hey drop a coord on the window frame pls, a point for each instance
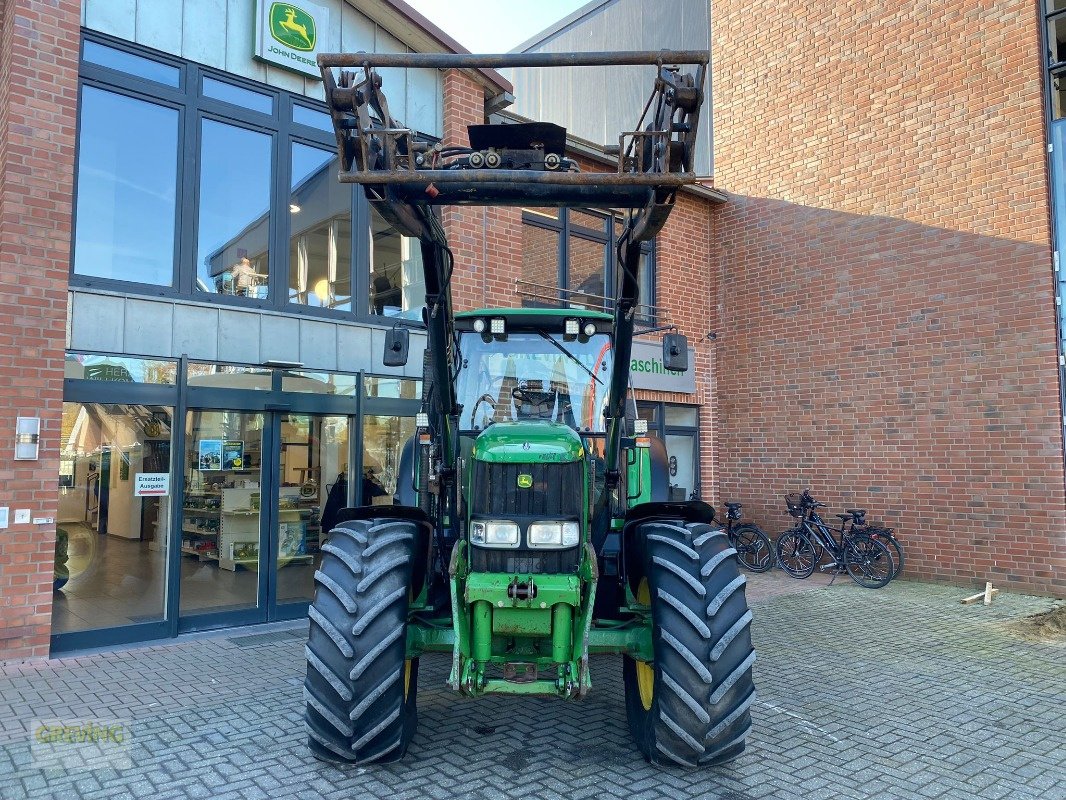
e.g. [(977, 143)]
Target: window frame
[(661, 428), (193, 107), (564, 228)]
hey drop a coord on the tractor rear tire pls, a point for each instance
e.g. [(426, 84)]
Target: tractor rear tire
[(691, 706), (359, 690)]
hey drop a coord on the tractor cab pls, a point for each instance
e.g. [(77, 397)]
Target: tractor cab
[(526, 365)]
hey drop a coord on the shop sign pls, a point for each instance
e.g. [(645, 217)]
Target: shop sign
[(290, 35), (151, 484), (646, 370)]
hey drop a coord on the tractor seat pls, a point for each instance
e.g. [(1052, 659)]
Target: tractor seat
[(845, 517), (858, 512), (733, 506)]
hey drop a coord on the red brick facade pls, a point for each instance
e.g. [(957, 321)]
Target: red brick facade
[(884, 281), (879, 282), (38, 95)]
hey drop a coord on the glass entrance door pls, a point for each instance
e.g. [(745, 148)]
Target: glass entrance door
[(258, 488), (312, 486), (221, 513)]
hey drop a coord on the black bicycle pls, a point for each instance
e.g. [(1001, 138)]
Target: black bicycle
[(886, 536), (800, 549), (754, 550)]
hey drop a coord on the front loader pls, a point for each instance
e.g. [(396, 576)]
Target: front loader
[(533, 525)]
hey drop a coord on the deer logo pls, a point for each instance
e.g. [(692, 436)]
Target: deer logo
[(292, 26)]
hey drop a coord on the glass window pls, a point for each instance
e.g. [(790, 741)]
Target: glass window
[(540, 265), (319, 120), (397, 284), (234, 210), (682, 416), (122, 370), (138, 66), (319, 383), (547, 214), (112, 531), (587, 265), (383, 441), (1055, 5), (646, 308), (529, 376), (235, 95), (402, 388), (587, 220), (1056, 39), (220, 512), (681, 461), (224, 376), (649, 412), (127, 187), (320, 239), (1058, 94)]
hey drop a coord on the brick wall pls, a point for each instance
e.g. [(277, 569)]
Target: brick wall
[(884, 277), (38, 96)]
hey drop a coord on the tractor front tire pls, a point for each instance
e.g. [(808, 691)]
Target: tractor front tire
[(691, 706), (359, 690)]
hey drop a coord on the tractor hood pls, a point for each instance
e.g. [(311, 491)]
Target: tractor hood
[(526, 442)]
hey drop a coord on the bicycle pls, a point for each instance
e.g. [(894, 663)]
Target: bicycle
[(878, 532), (754, 549), (800, 549)]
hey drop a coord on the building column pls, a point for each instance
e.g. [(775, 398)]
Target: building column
[(38, 114)]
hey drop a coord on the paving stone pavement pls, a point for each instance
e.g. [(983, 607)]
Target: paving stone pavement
[(896, 693)]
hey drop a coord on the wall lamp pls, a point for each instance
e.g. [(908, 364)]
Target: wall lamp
[(27, 438)]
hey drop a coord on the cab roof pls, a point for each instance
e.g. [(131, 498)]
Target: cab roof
[(561, 313)]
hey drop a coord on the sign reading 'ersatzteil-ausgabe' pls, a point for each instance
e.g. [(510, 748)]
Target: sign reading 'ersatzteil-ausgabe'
[(289, 35)]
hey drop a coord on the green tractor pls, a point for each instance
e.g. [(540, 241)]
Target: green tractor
[(533, 524)]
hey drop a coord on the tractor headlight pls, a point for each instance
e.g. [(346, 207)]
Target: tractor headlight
[(494, 533), (553, 534)]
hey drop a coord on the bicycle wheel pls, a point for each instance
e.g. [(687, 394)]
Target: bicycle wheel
[(868, 562), (795, 553), (895, 548), (754, 551)]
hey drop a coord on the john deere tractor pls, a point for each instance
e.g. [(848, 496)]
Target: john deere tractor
[(533, 525)]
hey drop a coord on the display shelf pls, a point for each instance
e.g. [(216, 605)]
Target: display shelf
[(201, 554), (185, 529), (212, 511)]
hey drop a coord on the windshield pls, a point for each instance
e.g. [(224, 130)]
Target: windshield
[(534, 375)]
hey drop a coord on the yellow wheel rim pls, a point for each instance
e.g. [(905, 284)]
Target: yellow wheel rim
[(645, 670), (406, 677)]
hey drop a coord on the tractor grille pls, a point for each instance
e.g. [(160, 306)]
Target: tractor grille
[(556, 490), (556, 493)]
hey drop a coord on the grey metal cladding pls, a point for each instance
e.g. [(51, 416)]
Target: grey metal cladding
[(195, 332), (594, 103)]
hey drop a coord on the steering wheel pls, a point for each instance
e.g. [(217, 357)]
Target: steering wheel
[(534, 397)]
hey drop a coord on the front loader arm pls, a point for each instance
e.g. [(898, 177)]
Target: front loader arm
[(404, 173)]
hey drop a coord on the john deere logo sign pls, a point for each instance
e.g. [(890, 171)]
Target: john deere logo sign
[(525, 481), (292, 26), (286, 34)]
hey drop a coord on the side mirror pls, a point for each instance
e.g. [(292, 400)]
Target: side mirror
[(397, 343), (675, 352)]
